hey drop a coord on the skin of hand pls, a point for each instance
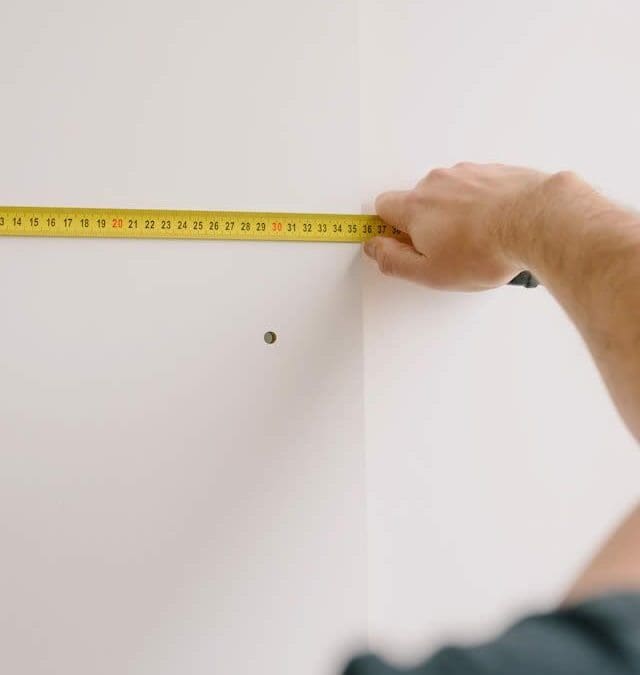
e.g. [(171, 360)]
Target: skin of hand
[(615, 566), (453, 221), (473, 227)]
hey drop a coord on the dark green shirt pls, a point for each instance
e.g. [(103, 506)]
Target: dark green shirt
[(600, 636)]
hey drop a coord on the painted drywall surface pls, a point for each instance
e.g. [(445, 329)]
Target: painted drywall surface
[(495, 461), (176, 495), (116, 555)]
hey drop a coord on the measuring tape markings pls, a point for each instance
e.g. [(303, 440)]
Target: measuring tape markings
[(164, 224), (45, 221)]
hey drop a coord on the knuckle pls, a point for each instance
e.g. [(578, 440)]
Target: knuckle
[(381, 199), (565, 177), (562, 181), (414, 199), (431, 177), (437, 174), (463, 165)]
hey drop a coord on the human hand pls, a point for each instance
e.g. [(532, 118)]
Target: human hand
[(457, 224)]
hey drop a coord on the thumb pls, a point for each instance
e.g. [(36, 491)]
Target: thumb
[(396, 258)]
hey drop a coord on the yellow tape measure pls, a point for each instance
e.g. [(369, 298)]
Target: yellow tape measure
[(160, 224), (45, 221)]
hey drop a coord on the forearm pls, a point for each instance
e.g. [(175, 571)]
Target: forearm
[(615, 566), (586, 251), (475, 226)]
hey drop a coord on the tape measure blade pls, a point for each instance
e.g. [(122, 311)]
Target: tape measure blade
[(83, 222)]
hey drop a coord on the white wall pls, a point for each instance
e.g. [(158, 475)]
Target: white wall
[(173, 499), (175, 495), (495, 461)]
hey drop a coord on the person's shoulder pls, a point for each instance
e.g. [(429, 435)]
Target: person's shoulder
[(599, 636)]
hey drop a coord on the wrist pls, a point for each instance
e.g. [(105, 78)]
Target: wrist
[(558, 224)]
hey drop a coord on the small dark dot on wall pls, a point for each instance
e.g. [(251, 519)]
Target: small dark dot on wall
[(270, 337)]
